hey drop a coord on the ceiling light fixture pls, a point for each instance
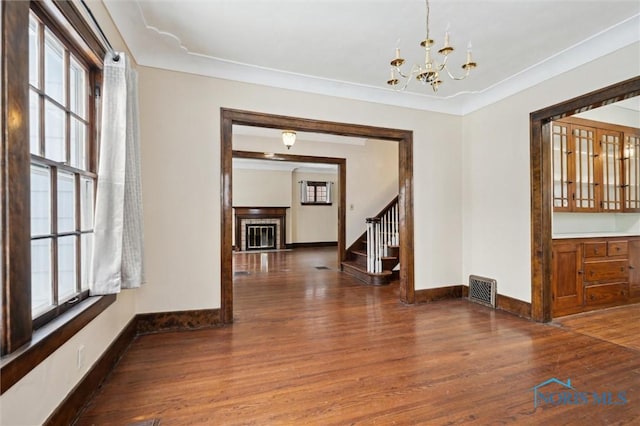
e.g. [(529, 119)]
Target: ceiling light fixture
[(429, 72), (288, 138)]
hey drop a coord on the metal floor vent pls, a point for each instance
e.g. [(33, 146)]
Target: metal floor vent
[(482, 290), (322, 267)]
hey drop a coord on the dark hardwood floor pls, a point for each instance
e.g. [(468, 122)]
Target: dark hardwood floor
[(313, 346)]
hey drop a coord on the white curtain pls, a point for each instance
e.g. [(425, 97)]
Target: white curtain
[(117, 243)]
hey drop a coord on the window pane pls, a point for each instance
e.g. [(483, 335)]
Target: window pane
[(85, 252), (86, 204), (41, 295), (53, 67), (77, 88), (66, 202), (66, 267), (34, 51), (54, 131), (34, 122), (78, 144), (40, 200)]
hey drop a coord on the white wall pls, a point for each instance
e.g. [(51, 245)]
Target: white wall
[(280, 188), (36, 395), (496, 188), (261, 188), (181, 149), (312, 224), (565, 224)]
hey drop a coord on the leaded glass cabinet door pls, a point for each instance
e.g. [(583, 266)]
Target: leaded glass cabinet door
[(585, 154), (561, 153), (631, 172), (611, 160)]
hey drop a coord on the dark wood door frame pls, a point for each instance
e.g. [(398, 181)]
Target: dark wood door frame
[(229, 117), (341, 163), (541, 185)]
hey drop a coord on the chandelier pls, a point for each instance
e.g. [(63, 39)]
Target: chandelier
[(430, 71)]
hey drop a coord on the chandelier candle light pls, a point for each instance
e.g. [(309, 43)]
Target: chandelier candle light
[(429, 72)]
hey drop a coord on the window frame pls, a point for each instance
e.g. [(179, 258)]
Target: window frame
[(22, 347), (305, 199), (88, 117)]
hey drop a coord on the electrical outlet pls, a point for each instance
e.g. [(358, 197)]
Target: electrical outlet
[(80, 360)]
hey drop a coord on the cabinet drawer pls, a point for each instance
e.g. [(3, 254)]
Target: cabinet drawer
[(595, 249), (617, 248), (606, 271), (605, 293)]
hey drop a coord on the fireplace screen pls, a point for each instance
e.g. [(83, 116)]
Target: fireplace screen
[(260, 236)]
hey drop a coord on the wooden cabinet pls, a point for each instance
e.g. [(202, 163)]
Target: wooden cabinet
[(606, 273), (634, 269), (566, 279), (591, 273), (596, 166), (631, 171)]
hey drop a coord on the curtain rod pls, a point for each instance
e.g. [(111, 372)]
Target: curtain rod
[(116, 55)]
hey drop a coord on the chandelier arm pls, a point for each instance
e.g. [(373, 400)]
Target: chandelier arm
[(453, 77), (406, 77)]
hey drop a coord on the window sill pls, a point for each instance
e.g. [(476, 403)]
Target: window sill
[(49, 338)]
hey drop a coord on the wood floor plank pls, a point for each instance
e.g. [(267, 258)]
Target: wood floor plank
[(620, 325), (313, 346)]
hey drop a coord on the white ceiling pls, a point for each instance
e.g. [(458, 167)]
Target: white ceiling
[(343, 47)]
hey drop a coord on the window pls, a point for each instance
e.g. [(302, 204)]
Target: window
[(62, 172), (314, 193), (53, 59)]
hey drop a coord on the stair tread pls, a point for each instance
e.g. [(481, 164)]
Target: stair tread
[(354, 265)]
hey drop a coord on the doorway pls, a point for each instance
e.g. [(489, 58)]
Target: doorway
[(542, 186), (230, 117)]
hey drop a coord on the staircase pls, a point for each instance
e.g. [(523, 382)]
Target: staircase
[(374, 256)]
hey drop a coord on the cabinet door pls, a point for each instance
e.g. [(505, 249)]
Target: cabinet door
[(586, 194), (631, 172), (560, 140), (610, 160), (566, 279), (634, 268)]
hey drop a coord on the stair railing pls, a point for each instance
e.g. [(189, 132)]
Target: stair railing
[(382, 231)]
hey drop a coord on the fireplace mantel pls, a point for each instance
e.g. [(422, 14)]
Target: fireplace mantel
[(247, 213)]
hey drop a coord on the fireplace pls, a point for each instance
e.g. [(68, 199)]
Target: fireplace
[(260, 236), (260, 228)]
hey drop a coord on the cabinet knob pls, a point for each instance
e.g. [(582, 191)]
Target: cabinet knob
[(580, 272), (632, 267)]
